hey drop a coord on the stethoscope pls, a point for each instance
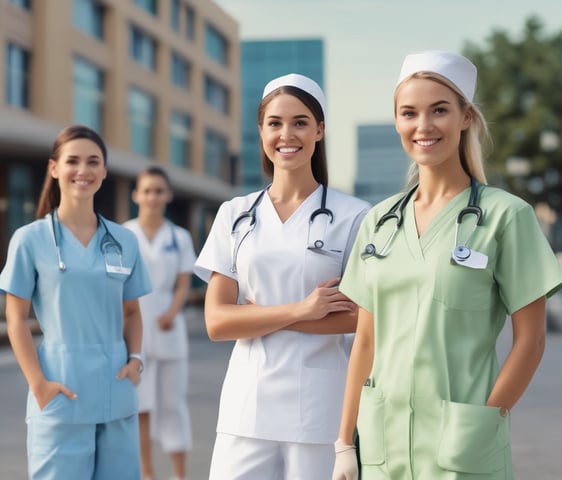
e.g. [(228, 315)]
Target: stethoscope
[(461, 252), (316, 246), (173, 247), (108, 243)]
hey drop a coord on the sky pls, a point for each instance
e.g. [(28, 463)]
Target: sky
[(365, 42)]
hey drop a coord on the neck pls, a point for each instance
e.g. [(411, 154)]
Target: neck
[(292, 187), (437, 185), (77, 213), (150, 220)]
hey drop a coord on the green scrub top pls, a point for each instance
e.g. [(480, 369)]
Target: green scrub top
[(422, 413)]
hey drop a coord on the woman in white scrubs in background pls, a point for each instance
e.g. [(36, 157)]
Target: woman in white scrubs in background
[(168, 253), (424, 387), (83, 275), (273, 271)]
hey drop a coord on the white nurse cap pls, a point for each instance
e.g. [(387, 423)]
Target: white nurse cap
[(453, 67), (299, 81)]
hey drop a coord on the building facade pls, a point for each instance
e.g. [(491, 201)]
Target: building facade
[(158, 79), (262, 61), (382, 164)]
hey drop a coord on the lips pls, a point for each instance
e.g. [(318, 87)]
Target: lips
[(288, 149), (427, 143)]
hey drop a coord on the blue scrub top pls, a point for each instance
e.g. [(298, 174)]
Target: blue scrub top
[(80, 312)]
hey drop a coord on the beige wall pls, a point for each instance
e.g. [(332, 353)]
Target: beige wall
[(48, 34)]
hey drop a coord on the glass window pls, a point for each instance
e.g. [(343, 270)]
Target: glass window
[(216, 45), (142, 47), (175, 15), (142, 113), (20, 196), (179, 71), (88, 94), (216, 155), (87, 16), (26, 4), (190, 23), (151, 6), (216, 95), (180, 139), (17, 76)]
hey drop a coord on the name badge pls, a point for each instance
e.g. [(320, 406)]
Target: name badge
[(118, 269)]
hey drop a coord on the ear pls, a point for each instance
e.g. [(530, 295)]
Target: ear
[(467, 119), (52, 168), (320, 131), (134, 196)]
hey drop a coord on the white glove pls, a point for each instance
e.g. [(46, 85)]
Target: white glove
[(345, 467)]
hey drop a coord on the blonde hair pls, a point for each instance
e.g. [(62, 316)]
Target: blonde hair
[(473, 139)]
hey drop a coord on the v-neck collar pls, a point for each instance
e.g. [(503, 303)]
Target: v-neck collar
[(419, 244), (68, 236), (272, 212)]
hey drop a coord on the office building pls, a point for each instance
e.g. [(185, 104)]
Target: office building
[(158, 79), (382, 164), (262, 61)]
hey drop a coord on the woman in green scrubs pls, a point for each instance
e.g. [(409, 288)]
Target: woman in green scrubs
[(424, 388)]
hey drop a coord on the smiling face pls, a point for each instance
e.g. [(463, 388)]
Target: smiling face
[(289, 132), (429, 121), (80, 169)]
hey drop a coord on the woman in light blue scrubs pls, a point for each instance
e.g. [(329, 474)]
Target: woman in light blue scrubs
[(83, 275)]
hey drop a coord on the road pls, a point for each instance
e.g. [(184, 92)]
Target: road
[(536, 422)]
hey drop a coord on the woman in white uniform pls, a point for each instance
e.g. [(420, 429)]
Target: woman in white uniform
[(424, 387), (83, 275), (273, 260), (168, 253)]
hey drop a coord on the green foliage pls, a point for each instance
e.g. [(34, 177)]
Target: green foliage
[(520, 93)]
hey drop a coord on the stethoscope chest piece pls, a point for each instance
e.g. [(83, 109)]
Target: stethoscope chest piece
[(461, 253)]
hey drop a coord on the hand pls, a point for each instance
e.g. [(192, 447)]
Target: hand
[(131, 370), (345, 467), (47, 391), (325, 299), (166, 321)]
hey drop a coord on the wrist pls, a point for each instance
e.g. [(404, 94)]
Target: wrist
[(341, 446), (139, 358)]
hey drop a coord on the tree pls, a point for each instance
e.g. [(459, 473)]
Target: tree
[(520, 93)]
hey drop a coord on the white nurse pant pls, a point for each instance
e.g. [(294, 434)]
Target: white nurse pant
[(58, 451), (163, 394), (243, 458)]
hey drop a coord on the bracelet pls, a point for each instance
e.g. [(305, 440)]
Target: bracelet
[(138, 357)]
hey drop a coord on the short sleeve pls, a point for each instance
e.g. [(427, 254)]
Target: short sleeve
[(19, 274), (216, 254), (353, 283), (138, 283), (527, 268)]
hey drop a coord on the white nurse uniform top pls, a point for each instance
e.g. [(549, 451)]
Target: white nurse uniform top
[(284, 386), (80, 312), (169, 253)]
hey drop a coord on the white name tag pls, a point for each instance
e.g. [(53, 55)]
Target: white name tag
[(117, 269)]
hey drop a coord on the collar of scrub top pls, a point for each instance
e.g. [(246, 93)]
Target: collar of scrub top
[(461, 251), (108, 241), (250, 214)]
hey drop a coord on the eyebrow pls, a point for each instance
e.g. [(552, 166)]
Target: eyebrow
[(88, 156), (295, 116), (434, 104)]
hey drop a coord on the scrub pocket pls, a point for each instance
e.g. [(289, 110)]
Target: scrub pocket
[(370, 426), (463, 288), (473, 439)]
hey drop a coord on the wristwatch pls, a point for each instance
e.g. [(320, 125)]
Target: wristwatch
[(139, 357)]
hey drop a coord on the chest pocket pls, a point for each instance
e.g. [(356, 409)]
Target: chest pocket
[(463, 288), (323, 265)]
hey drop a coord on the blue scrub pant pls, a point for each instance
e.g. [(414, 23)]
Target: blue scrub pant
[(101, 451)]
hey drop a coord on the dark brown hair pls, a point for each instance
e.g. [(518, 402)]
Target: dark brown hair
[(50, 194), (318, 160), (157, 171)]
